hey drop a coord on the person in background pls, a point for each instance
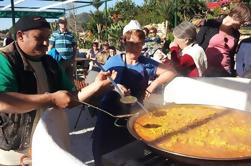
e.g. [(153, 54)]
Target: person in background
[(188, 57), (133, 74), (219, 38), (146, 31), (105, 47), (93, 68), (112, 51), (64, 42), (152, 43), (166, 46), (153, 35), (91, 54), (8, 39), (243, 57), (104, 54), (31, 82)]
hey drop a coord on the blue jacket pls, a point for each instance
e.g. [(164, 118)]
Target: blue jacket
[(243, 58)]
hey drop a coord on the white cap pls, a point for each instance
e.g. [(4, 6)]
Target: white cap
[(133, 25)]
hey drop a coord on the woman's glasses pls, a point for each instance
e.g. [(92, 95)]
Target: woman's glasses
[(132, 43)]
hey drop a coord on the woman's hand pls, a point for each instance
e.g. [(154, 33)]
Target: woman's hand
[(147, 93), (102, 82), (102, 79), (124, 90)]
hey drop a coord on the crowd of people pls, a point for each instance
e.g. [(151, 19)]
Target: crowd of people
[(32, 81)]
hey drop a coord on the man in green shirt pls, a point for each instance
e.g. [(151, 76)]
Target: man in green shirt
[(30, 82)]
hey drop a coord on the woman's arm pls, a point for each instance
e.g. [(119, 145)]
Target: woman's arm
[(165, 75), (101, 82)]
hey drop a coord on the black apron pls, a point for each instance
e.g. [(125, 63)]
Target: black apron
[(107, 137)]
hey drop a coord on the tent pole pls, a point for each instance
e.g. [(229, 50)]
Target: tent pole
[(13, 19), (12, 12)]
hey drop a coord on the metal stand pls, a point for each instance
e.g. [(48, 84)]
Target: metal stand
[(79, 115)]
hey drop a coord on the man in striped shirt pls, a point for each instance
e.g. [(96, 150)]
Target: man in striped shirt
[(63, 41)]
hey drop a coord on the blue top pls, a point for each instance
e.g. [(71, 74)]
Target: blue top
[(243, 58), (63, 42), (134, 77), (144, 64)]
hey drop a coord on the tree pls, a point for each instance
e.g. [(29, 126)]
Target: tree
[(149, 14), (187, 9), (127, 9), (96, 24), (97, 4), (115, 32)]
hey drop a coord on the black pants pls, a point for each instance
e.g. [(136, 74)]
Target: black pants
[(107, 137)]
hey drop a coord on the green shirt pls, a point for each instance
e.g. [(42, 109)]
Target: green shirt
[(8, 82)]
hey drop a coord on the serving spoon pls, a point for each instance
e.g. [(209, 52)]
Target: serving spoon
[(124, 99)]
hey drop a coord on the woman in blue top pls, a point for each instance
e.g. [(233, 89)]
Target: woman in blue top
[(133, 73)]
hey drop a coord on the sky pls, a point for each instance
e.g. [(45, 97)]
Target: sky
[(6, 23)]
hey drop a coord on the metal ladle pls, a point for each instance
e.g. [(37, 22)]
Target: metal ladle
[(124, 99), (102, 110)]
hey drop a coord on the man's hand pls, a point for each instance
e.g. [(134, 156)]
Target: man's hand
[(62, 99)]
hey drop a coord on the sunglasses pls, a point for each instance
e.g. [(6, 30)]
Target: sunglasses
[(131, 43)]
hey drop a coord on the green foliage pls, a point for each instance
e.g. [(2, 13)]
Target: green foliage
[(157, 11), (54, 26), (152, 11), (170, 37), (214, 13), (115, 32), (97, 25), (97, 3), (87, 44), (166, 9), (149, 14), (187, 9), (126, 8)]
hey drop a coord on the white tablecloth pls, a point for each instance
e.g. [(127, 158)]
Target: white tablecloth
[(50, 143), (227, 92)]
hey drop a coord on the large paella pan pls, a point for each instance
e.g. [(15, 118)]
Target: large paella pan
[(197, 134)]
